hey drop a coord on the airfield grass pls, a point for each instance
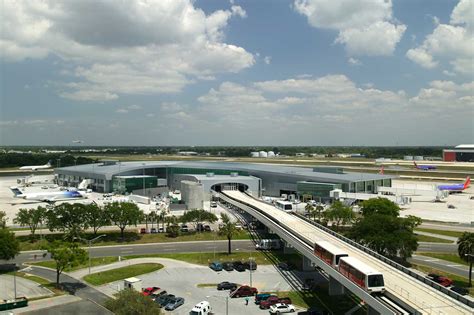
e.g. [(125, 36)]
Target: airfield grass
[(445, 256), (431, 239), (440, 232)]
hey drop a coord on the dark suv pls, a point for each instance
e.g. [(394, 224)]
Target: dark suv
[(227, 286), (250, 265), (238, 266), (228, 266)]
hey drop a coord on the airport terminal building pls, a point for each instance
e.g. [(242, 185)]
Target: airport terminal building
[(150, 177)]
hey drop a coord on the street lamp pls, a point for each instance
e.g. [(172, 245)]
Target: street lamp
[(89, 243), (251, 259)]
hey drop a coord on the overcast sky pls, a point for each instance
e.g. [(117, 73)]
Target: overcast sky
[(266, 72)]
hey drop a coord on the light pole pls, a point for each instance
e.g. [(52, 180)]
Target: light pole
[(89, 243), (250, 269)]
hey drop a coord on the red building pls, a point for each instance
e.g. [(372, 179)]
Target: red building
[(461, 153)]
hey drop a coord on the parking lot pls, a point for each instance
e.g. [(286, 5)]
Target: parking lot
[(182, 279)]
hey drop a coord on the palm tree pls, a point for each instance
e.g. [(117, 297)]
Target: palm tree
[(162, 218), (228, 229), (309, 209), (466, 250), (152, 217)]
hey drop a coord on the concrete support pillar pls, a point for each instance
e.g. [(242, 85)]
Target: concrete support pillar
[(335, 287), (371, 311), (307, 264), (288, 249)]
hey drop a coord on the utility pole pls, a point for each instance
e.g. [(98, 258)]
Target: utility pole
[(470, 268)]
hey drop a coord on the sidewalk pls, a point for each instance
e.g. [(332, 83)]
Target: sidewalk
[(44, 303), (444, 237)]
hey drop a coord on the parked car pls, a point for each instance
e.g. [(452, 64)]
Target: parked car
[(174, 303), (213, 204), (226, 285), (165, 299), (239, 266), (262, 297), (460, 290), (153, 230), (184, 228), (244, 290), (207, 228), (142, 231), (216, 266), (444, 281), (228, 266), (161, 230), (280, 308), (274, 300), (202, 308), (451, 207), (250, 265), (149, 291), (157, 294)]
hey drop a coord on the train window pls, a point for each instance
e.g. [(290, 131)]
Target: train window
[(375, 281)]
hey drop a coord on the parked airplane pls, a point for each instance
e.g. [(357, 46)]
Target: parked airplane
[(36, 167), (424, 167), (49, 196), (456, 187)]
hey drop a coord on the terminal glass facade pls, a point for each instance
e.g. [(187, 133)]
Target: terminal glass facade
[(128, 184), (316, 190)]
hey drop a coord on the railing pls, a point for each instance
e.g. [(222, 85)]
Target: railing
[(392, 263)]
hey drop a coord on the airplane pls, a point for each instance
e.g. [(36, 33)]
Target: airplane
[(77, 141), (36, 167), (49, 197), (424, 167), (456, 187)]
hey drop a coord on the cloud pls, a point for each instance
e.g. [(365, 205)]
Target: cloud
[(453, 42), (127, 47), (354, 62), (122, 111), (366, 27), (267, 60)]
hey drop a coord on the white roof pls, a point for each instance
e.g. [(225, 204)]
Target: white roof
[(357, 264), (133, 279), (283, 202), (465, 146), (331, 248)]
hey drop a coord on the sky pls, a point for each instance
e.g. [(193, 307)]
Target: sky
[(209, 72)]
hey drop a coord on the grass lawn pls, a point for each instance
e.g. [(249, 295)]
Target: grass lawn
[(440, 232), (458, 280), (97, 261), (431, 239), (130, 237), (446, 256), (207, 285), (321, 299), (100, 278)]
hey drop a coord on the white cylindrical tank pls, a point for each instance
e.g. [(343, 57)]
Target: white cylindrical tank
[(270, 154), (254, 154), (262, 154), (418, 158)]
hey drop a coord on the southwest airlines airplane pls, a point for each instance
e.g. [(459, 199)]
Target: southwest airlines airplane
[(456, 187), (36, 167), (424, 167), (49, 196)]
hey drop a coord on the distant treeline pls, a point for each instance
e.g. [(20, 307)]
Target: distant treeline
[(15, 159), (22, 159)]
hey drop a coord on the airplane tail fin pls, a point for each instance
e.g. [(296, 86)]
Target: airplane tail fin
[(381, 172), (49, 163), (467, 182), (414, 163), (16, 191)]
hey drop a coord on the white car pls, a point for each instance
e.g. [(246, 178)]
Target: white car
[(281, 308)]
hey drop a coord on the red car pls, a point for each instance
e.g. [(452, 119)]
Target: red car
[(445, 281), (244, 290), (149, 291), (272, 301)]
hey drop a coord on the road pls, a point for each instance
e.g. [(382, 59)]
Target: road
[(144, 249), (437, 247), (447, 266)]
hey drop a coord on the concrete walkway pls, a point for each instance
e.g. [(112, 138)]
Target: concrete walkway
[(24, 287), (444, 237)]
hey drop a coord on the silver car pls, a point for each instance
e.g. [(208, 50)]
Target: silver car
[(174, 303)]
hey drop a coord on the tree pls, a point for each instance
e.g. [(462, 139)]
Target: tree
[(162, 218), (309, 209), (466, 250), (153, 217), (380, 206), (96, 216), (66, 255), (339, 214), (197, 216), (3, 220), (387, 235), (9, 245), (123, 214), (31, 218), (68, 218), (172, 230), (319, 211), (131, 302), (228, 229)]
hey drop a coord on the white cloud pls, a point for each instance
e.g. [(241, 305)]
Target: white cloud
[(366, 27), (122, 111), (449, 73), (453, 42), (354, 62), (267, 60), (150, 115), (134, 107), (128, 47)]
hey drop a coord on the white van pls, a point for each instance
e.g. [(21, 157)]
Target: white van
[(202, 308)]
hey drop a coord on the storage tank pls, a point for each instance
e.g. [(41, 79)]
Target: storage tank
[(192, 194), (418, 158), (270, 154), (262, 154), (254, 154)]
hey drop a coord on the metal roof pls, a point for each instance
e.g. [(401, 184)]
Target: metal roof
[(108, 171)]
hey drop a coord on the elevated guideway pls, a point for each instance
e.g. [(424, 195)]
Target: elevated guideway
[(413, 295)]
